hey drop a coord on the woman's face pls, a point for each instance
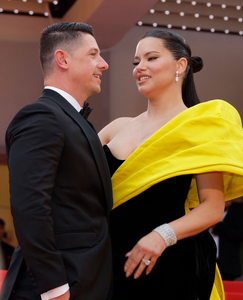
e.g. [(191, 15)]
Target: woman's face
[(155, 67)]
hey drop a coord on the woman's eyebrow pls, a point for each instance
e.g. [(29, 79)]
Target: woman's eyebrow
[(146, 54)]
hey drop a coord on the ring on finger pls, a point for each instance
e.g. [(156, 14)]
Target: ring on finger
[(146, 261)]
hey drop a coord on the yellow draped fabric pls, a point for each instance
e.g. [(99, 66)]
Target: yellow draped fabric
[(218, 288), (204, 138)]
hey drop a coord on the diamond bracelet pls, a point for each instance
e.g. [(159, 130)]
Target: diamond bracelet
[(167, 233)]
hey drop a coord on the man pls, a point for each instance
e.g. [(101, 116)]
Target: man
[(6, 251), (59, 181)]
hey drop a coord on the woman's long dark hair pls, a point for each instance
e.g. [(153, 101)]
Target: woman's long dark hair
[(179, 48)]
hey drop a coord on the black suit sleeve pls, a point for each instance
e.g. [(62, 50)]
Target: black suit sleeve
[(34, 146), (232, 226)]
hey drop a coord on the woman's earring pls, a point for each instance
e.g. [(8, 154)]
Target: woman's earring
[(177, 76)]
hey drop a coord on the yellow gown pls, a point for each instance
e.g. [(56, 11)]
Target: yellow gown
[(204, 138)]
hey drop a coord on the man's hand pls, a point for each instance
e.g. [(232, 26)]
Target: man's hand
[(65, 296), (150, 247)]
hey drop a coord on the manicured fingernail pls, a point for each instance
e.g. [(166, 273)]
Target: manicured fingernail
[(128, 274), (135, 275)]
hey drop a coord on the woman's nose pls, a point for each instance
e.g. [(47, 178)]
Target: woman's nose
[(141, 67)]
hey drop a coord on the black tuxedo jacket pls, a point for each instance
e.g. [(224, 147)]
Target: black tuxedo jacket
[(60, 194)]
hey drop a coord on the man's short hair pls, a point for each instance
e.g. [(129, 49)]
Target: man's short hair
[(2, 223), (63, 35)]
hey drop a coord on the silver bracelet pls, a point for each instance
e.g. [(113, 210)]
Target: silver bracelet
[(167, 233)]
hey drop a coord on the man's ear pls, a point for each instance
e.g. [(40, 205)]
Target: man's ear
[(181, 65), (61, 59)]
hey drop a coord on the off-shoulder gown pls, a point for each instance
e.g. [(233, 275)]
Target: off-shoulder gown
[(184, 271)]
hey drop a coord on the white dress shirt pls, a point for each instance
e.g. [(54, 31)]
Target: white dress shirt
[(63, 288), (67, 96)]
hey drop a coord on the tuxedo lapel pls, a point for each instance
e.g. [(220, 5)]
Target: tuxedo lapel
[(91, 137)]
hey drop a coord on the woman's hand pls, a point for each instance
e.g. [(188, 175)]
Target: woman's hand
[(150, 247), (211, 193)]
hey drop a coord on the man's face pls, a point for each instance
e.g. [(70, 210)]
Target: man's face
[(86, 67)]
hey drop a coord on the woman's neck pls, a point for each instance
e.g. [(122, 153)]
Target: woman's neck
[(165, 107)]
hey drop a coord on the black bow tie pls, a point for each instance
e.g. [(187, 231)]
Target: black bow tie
[(86, 110)]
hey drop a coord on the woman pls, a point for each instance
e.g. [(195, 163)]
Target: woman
[(163, 161)]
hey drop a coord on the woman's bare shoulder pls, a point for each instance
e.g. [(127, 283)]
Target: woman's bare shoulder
[(112, 129)]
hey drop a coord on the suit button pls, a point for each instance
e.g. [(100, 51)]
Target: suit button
[(35, 285), (32, 279), (28, 270)]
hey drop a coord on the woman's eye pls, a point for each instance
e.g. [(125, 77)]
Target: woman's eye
[(135, 63), (93, 54), (152, 58)]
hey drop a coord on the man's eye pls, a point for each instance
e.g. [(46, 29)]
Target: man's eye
[(152, 58), (93, 54), (135, 63)]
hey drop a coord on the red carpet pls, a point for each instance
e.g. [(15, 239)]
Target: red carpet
[(2, 275), (233, 290)]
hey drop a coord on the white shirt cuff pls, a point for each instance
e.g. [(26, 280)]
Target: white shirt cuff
[(55, 292)]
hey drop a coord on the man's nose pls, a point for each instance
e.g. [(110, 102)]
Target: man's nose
[(103, 64)]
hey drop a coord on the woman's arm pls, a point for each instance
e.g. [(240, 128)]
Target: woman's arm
[(210, 211)]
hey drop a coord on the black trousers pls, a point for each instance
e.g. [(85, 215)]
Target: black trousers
[(23, 288)]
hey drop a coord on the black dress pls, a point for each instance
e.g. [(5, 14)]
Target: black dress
[(185, 270)]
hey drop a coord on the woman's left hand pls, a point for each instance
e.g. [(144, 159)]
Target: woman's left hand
[(150, 247)]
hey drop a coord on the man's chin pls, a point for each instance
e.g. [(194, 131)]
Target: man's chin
[(96, 91)]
